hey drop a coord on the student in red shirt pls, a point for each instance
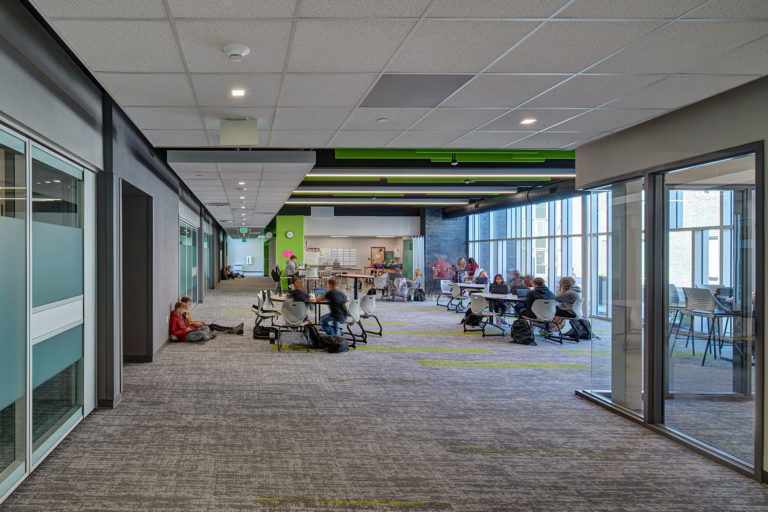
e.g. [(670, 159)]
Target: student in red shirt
[(179, 328)]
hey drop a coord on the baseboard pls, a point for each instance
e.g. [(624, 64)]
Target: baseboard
[(110, 404)]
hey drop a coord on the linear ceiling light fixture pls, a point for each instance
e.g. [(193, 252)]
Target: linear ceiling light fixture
[(468, 191), (379, 201), (466, 173)]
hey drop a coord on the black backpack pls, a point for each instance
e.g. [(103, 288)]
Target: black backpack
[(470, 319), (521, 333), (581, 329), (418, 295), (260, 332), (329, 343)]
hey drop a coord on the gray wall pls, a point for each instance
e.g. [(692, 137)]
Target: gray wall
[(730, 119), (44, 91), (442, 236)]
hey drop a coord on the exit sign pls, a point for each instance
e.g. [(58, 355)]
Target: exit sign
[(243, 230), (245, 240)]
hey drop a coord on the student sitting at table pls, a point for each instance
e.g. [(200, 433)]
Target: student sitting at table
[(292, 266), (472, 267), (482, 277), (418, 280), (498, 286), (459, 270), (540, 291), (299, 293), (336, 301), (516, 280), (528, 281), (568, 293), (394, 276)]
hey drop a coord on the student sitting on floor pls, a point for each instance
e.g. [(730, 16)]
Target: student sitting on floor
[(201, 326), (179, 329), (336, 300)]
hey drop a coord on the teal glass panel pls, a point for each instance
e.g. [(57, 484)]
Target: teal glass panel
[(57, 380), (51, 161), (53, 355), (57, 234), (57, 260), (13, 311)]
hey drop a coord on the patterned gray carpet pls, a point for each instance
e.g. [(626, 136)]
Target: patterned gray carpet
[(233, 425)]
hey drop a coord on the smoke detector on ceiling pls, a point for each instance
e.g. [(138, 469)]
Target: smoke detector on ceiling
[(236, 52)]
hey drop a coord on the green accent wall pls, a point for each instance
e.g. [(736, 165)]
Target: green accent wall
[(447, 155), (284, 223)]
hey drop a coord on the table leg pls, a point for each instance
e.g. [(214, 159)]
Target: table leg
[(355, 285)]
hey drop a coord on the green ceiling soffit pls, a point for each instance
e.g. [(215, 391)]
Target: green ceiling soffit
[(327, 178), (461, 180), (367, 195), (446, 155)]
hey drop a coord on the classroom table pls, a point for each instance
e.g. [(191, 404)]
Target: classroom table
[(313, 301), (471, 286), (356, 277), (503, 297)]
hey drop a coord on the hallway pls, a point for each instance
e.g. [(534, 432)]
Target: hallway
[(234, 425)]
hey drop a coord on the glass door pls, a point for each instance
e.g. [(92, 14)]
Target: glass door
[(709, 376)]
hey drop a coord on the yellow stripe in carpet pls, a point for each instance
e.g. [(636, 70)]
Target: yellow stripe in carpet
[(358, 502), (488, 364)]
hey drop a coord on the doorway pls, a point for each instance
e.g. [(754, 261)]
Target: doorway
[(137, 248)]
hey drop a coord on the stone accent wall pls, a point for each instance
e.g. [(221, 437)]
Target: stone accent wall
[(442, 237)]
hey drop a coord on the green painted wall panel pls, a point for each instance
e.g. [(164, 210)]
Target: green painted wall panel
[(283, 224)]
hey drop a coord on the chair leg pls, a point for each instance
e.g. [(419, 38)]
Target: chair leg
[(381, 329), (709, 342), (363, 333)]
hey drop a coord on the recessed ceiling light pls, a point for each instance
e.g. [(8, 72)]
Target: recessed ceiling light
[(339, 236), (242, 207), (528, 120), (242, 197), (383, 119), (57, 181), (238, 93), (47, 181), (241, 183)]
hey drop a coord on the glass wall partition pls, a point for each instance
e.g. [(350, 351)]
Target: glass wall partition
[(57, 299), (711, 281), (188, 261), (13, 310)]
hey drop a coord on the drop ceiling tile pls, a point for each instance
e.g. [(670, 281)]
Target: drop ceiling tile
[(549, 140), (749, 59), (544, 119), (457, 118), (504, 91), (122, 45), (213, 116), (232, 8), (363, 8), (204, 184), (300, 138), (721, 9), (493, 140), (571, 46), (241, 167), (442, 46), (193, 167), (346, 45), (589, 91), (216, 139), (678, 91), (325, 89), (603, 120), (628, 10), (413, 90), (177, 138), (202, 42), (101, 8), (157, 90), (681, 45), (362, 139), (397, 118), (424, 139), (310, 118), (261, 90), (165, 118), (495, 8)]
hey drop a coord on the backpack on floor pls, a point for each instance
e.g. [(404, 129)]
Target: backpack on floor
[(581, 329), (260, 332), (418, 295), (521, 333), (315, 338), (334, 344), (470, 319)]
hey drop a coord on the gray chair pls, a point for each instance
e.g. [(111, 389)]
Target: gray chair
[(293, 316), (353, 317), (478, 306), (445, 291), (458, 299), (368, 307), (700, 303), (544, 311), (382, 283)]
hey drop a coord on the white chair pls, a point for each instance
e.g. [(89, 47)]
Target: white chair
[(458, 299), (267, 304), (368, 306), (401, 289), (293, 316), (478, 306), (312, 275), (263, 313), (445, 290), (381, 283), (544, 311), (353, 317), (578, 310)]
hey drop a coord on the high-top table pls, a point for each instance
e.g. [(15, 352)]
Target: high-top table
[(356, 277)]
